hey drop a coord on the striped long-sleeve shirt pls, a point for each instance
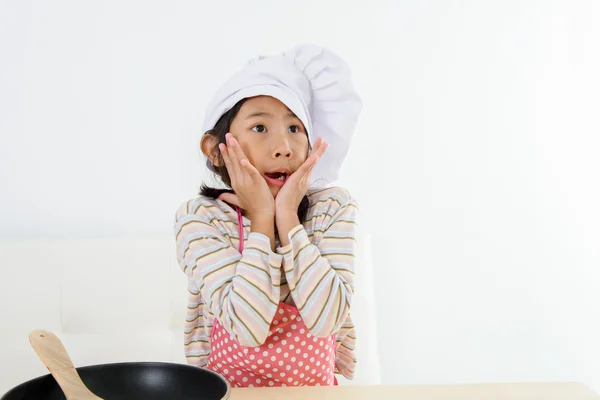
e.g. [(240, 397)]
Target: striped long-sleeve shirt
[(315, 272)]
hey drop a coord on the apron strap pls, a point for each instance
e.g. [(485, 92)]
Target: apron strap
[(240, 228)]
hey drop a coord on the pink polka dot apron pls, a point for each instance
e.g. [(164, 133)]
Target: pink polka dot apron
[(290, 356)]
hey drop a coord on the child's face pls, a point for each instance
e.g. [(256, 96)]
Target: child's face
[(272, 137)]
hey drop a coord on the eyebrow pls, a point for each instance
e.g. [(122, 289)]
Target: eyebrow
[(266, 114)]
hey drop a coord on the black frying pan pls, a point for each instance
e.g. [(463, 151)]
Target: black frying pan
[(119, 381), (133, 381)]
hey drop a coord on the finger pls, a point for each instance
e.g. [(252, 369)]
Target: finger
[(223, 150), (237, 149), (316, 155), (318, 143), (310, 162), (255, 176), (233, 176), (247, 170), (310, 166), (320, 150), (250, 169), (235, 162), (230, 198), (302, 172), (231, 153), (237, 155)]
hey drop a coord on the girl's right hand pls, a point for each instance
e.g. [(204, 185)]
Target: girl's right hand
[(251, 190)]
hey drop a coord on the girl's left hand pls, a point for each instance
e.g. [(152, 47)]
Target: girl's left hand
[(295, 187)]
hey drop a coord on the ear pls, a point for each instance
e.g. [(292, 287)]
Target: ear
[(209, 146)]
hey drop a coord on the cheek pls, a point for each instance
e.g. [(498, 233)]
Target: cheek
[(254, 148), (248, 150), (302, 147), (254, 155)]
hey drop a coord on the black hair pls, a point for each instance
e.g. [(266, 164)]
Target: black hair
[(219, 131)]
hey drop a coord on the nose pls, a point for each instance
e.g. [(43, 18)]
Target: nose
[(282, 148)]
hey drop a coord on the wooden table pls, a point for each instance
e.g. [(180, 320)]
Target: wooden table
[(503, 391)]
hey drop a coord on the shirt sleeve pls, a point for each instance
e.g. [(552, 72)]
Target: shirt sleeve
[(240, 290), (321, 277)]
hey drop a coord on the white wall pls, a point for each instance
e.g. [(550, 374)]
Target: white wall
[(480, 135)]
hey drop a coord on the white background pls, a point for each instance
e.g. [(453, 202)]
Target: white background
[(475, 161)]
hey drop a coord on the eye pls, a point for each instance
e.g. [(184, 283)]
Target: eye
[(294, 129), (259, 128)]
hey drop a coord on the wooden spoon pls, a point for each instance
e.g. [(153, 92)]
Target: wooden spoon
[(54, 356)]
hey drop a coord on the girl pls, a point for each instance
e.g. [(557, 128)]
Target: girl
[(270, 259)]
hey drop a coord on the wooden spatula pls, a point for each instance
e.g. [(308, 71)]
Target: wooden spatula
[(54, 356)]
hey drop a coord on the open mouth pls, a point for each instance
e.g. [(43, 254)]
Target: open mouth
[(279, 176)]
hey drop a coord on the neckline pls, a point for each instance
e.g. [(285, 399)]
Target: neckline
[(247, 221), (234, 212)]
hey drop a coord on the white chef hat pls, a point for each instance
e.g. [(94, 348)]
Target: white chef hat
[(315, 84)]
